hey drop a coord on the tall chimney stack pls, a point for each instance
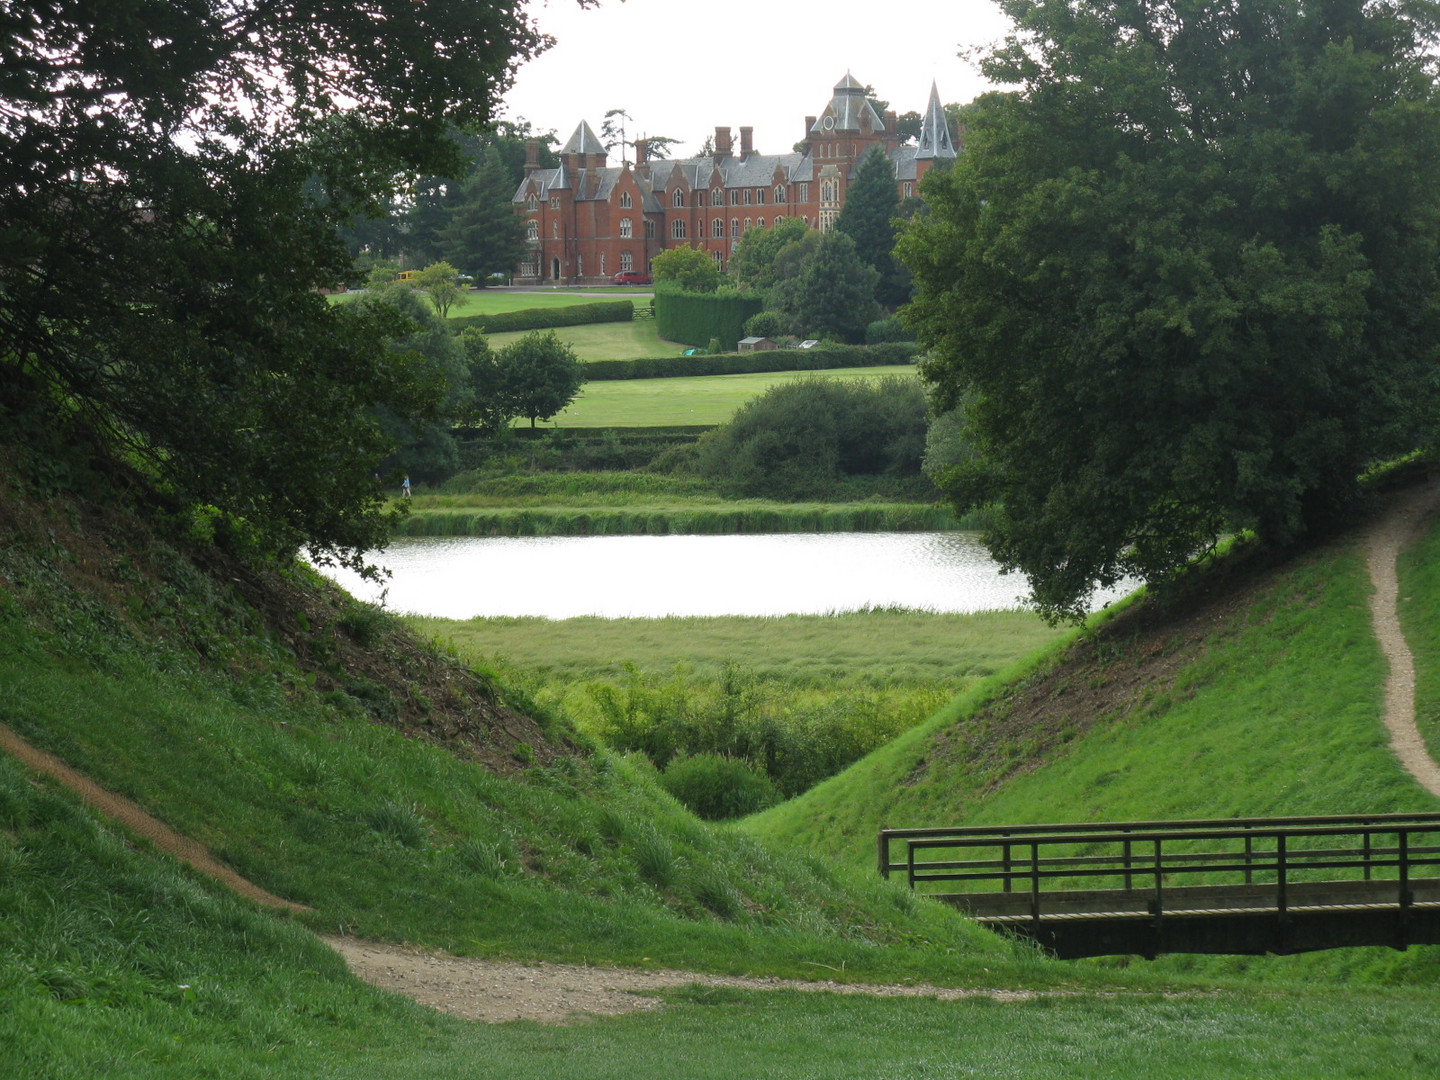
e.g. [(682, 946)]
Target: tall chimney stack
[(747, 141)]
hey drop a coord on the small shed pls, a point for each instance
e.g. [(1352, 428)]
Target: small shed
[(757, 344)]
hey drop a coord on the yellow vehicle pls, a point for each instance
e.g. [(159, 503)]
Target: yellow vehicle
[(407, 275)]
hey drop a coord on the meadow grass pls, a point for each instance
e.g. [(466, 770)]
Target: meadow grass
[(1277, 714), (1419, 607), (707, 399), (118, 963)]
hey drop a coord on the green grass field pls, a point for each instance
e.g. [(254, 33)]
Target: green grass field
[(710, 399), (491, 301)]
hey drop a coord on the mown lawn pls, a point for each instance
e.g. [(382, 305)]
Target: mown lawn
[(634, 340), (490, 301), (708, 399)]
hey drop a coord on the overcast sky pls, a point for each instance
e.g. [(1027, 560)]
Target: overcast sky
[(681, 69)]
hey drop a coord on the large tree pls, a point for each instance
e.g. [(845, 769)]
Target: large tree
[(485, 235), (1183, 281), (173, 177), (868, 217), (832, 293), (538, 375)]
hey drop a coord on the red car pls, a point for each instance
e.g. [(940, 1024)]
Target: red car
[(630, 277)]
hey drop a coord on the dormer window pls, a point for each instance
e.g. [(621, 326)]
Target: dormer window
[(532, 204), (678, 199)]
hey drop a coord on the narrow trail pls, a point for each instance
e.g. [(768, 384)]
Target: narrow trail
[(1401, 526)]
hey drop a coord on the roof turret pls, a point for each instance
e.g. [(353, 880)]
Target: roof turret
[(935, 140)]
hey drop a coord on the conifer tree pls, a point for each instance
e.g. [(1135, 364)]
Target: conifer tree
[(871, 205)]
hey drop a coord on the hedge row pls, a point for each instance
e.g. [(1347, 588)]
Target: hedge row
[(504, 322), (699, 318), (749, 363)]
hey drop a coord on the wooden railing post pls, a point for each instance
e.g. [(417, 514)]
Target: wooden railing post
[(1281, 900), (1127, 859), (1005, 857), (884, 845), (1402, 837), (1249, 855), (1365, 847), (1035, 883)]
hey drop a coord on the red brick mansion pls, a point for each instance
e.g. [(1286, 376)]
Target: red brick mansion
[(588, 221)]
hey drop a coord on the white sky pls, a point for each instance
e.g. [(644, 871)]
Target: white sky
[(682, 68)]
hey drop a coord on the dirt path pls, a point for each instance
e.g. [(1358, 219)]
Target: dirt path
[(1400, 527), (125, 811)]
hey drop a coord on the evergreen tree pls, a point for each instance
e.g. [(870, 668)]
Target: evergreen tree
[(871, 205), (833, 295), (484, 234)]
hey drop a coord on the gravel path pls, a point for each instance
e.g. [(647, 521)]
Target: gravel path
[(1396, 530)]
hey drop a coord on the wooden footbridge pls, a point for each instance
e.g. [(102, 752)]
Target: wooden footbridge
[(1236, 885)]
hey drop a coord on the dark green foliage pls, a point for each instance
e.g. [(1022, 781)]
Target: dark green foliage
[(538, 375), (753, 263), (695, 318), (716, 787), (688, 268), (799, 438), (871, 205), (506, 322), (771, 324), (484, 234), (174, 178), (886, 330), (1184, 282), (833, 293), (823, 357)]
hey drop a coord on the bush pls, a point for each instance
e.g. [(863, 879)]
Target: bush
[(885, 330), (771, 324), (715, 787), (798, 439), (504, 322)]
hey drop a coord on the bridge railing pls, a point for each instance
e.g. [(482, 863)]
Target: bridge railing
[(1155, 856)]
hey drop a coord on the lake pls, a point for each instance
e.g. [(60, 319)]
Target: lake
[(652, 576)]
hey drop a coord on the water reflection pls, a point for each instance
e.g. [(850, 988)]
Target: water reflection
[(646, 576)]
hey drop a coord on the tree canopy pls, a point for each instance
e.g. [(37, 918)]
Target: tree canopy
[(868, 218), (538, 375), (172, 181), (1184, 280), (688, 267)]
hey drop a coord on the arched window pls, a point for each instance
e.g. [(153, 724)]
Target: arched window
[(804, 192), (678, 199), (717, 227), (747, 224), (717, 197), (734, 226), (532, 204), (699, 198), (748, 196), (627, 228), (677, 229), (760, 223), (778, 219), (760, 196), (625, 200), (649, 229), (625, 261), (532, 230), (779, 193), (909, 189)]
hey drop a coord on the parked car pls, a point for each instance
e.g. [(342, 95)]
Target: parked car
[(630, 277)]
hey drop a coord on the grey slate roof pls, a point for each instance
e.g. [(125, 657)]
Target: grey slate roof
[(584, 141), (935, 141)]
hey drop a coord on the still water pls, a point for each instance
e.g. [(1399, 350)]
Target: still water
[(650, 576)]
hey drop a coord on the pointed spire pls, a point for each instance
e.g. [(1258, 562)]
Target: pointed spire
[(935, 141), (584, 141)]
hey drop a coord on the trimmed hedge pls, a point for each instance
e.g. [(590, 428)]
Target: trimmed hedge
[(749, 363), (504, 322), (698, 318)]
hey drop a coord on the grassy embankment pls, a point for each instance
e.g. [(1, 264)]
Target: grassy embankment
[(163, 682), (620, 503)]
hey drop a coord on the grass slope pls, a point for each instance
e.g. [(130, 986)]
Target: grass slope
[(1260, 698)]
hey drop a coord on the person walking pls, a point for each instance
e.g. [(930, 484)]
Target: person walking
[(405, 486)]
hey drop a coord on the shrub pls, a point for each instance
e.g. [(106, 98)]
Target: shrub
[(771, 324), (798, 439), (884, 330), (715, 787)]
